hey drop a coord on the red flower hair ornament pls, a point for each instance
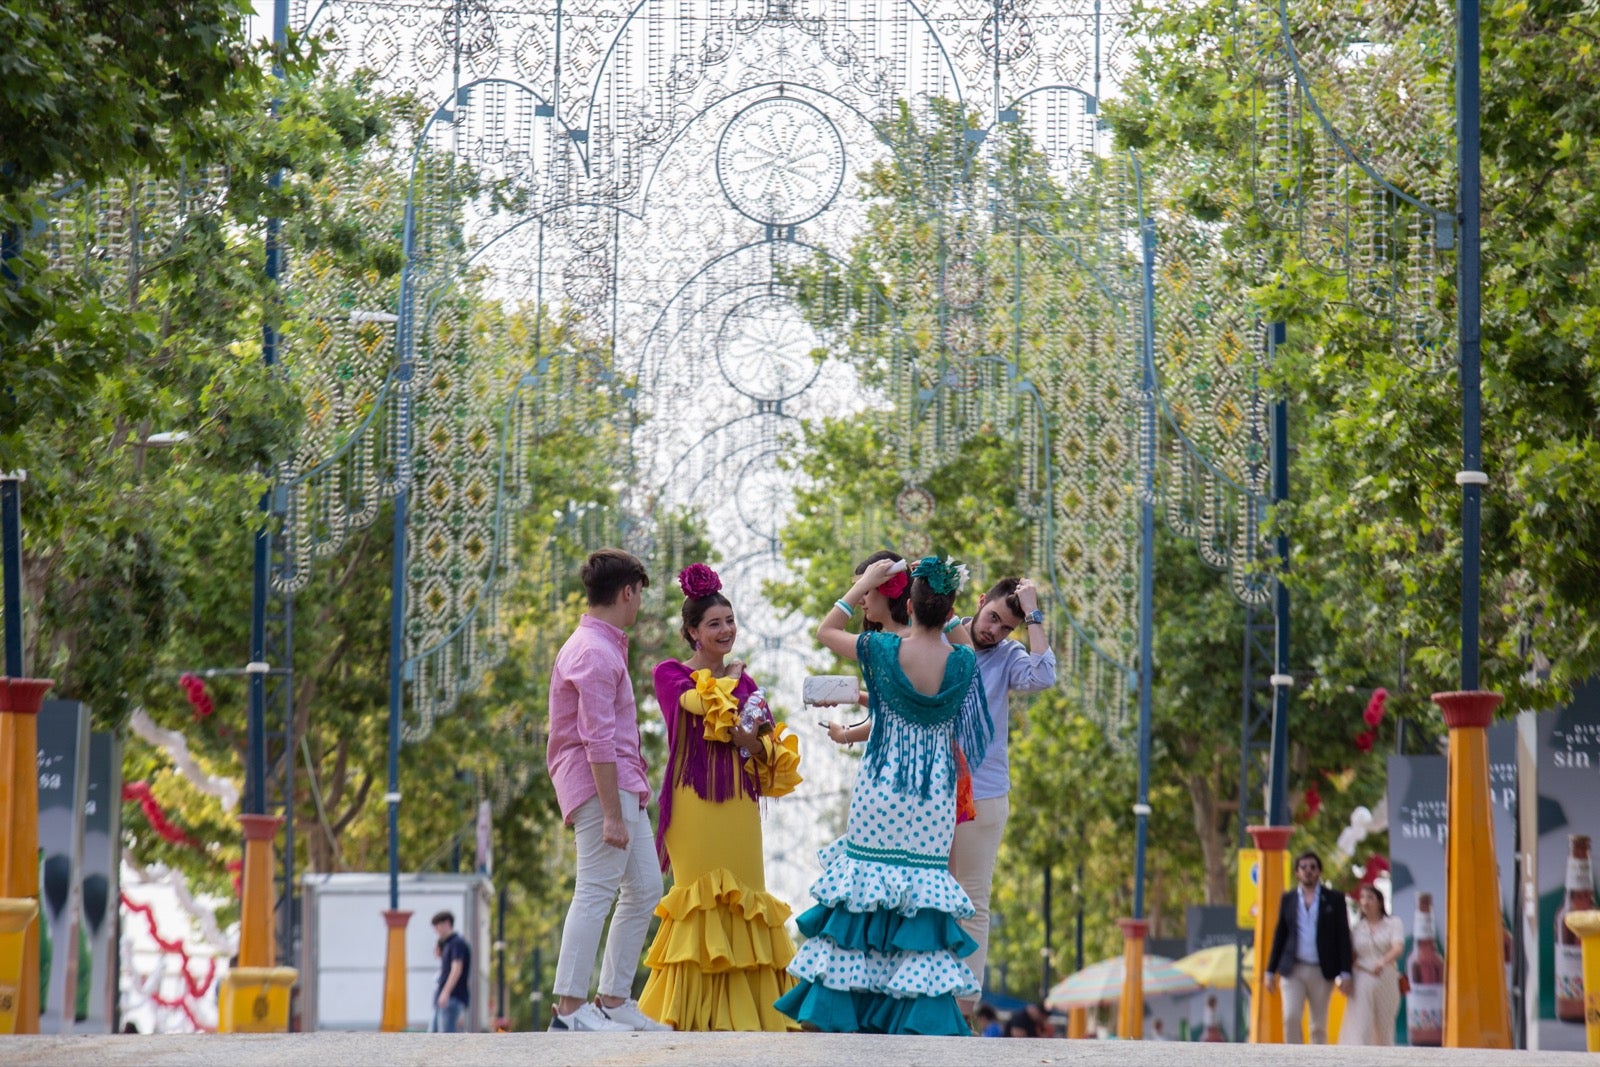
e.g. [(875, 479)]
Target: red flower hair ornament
[(698, 580), (895, 586)]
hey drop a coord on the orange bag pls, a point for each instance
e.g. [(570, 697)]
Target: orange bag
[(966, 807)]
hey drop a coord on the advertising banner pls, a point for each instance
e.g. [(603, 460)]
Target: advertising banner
[(101, 887), (1567, 817), (1247, 897), (63, 786), (1418, 832)]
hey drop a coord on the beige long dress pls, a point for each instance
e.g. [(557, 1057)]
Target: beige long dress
[(1374, 1002)]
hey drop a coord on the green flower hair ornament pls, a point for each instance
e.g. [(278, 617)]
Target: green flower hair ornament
[(945, 577)]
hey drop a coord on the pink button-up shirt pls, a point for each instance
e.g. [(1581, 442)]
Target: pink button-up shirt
[(593, 718)]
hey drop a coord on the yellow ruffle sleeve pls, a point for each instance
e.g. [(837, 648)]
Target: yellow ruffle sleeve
[(712, 697), (777, 771)]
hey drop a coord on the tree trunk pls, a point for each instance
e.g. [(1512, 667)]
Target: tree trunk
[(1208, 828)]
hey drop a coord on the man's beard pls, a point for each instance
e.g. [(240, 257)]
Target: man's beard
[(978, 642)]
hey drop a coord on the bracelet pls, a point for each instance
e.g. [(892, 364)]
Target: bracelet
[(849, 611), (955, 620)]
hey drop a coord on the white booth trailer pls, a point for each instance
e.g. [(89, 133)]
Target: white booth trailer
[(345, 942)]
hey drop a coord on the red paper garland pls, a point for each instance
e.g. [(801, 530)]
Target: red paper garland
[(1374, 713), (196, 987), (140, 791), (199, 699)]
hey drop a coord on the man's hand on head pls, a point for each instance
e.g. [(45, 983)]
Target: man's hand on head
[(1027, 595)]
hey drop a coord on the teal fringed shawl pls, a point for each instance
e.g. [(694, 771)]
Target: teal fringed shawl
[(917, 726)]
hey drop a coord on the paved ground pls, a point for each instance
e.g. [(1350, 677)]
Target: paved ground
[(693, 1050)]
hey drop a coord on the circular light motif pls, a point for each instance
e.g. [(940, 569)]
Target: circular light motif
[(914, 505), (780, 161), (962, 284), (587, 279), (764, 496), (764, 349)]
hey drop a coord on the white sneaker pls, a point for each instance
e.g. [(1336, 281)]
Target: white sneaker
[(628, 1014), (587, 1017)]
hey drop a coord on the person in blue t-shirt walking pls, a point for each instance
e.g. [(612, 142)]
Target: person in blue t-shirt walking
[(453, 993)]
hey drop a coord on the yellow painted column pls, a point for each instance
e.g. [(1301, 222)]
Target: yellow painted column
[(1586, 924), (256, 994), (394, 972), (1476, 1011), (20, 700), (257, 947), (1266, 1008), (1130, 1012), (1078, 1022), (16, 917)]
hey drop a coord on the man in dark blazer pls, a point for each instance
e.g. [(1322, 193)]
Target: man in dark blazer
[(1311, 951)]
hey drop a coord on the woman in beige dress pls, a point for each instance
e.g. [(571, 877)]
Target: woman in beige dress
[(1378, 939)]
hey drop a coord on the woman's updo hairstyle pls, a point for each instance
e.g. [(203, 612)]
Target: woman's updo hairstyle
[(934, 585), (899, 609), (931, 609), (702, 590)]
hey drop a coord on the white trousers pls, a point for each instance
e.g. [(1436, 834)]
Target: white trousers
[(972, 859), (1301, 986), (628, 877)]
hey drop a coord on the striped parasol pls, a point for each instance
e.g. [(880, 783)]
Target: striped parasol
[(1101, 983)]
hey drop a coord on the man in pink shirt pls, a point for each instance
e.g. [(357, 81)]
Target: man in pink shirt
[(602, 787)]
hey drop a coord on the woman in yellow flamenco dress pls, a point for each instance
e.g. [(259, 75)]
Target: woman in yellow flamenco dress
[(720, 956)]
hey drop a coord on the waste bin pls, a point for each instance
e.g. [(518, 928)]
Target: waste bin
[(15, 915), (255, 1000)]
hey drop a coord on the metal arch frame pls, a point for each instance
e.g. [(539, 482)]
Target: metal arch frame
[(392, 381), (1091, 102), (746, 109), (498, 525), (1021, 383), (708, 265), (1467, 219), (697, 313), (693, 315), (727, 316), (1143, 677), (1250, 498), (604, 65), (1147, 234), (722, 428), (1304, 85), (799, 88), (415, 313), (405, 340)]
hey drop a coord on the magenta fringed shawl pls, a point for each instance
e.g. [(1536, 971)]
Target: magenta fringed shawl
[(713, 768)]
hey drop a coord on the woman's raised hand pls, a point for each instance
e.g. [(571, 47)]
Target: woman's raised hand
[(877, 573)]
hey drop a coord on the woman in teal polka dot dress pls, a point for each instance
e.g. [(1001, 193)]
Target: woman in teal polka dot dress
[(883, 941)]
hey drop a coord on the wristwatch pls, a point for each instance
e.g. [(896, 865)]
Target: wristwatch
[(1034, 617)]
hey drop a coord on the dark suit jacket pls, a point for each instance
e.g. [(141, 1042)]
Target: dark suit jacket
[(1334, 952)]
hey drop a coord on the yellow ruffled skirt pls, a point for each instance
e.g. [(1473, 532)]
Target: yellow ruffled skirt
[(718, 960)]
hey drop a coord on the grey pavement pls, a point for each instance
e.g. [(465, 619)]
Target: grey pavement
[(754, 1050)]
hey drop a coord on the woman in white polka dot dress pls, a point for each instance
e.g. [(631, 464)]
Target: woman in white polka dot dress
[(883, 941)]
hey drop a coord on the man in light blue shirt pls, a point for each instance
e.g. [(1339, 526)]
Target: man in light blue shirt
[(1004, 666), (1311, 954)]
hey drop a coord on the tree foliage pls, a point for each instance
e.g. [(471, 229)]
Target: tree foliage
[(1375, 514)]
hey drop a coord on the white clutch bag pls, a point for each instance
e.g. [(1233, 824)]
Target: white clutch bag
[(826, 689)]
